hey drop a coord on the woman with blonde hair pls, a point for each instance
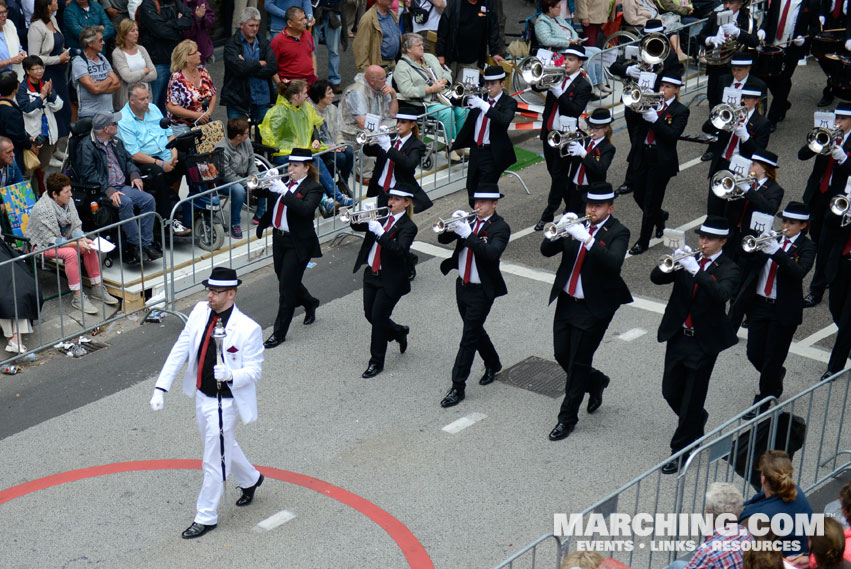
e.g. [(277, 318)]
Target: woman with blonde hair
[(130, 61), (189, 89)]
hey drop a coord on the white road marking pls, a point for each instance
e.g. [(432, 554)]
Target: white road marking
[(464, 422), (522, 233), (274, 521), (819, 336), (690, 163), (633, 334)]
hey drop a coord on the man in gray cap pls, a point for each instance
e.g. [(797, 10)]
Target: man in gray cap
[(103, 160)]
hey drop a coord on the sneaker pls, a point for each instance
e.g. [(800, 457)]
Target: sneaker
[(347, 202), (82, 302), (179, 229), (15, 348), (255, 220), (236, 232), (98, 293)]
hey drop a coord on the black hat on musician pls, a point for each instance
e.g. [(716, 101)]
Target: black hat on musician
[(714, 226), (797, 211), (600, 117), (843, 110), (653, 26), (575, 49), (600, 192), (742, 59), (400, 193), (487, 191), (409, 112), (765, 157), (301, 155), (494, 73), (222, 277), (752, 89), (671, 79)]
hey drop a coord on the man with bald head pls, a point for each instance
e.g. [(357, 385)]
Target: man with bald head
[(370, 94)]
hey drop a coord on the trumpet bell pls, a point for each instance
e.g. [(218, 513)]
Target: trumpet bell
[(554, 139), (820, 140), (727, 117), (551, 231), (839, 205)]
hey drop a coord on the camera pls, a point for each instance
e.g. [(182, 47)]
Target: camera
[(40, 140)]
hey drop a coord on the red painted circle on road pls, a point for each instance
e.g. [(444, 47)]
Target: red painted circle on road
[(415, 553)]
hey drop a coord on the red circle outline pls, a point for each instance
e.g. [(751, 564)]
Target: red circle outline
[(415, 554)]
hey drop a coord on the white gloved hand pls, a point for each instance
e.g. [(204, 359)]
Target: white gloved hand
[(686, 249), (690, 264), (650, 116), (760, 35), (742, 133), (462, 230), (730, 29), (278, 186), (847, 45), (376, 228), (771, 247), (157, 401), (576, 149), (633, 71), (476, 102), (459, 213), (677, 251), (556, 89), (578, 232), (798, 41), (383, 141), (821, 20), (838, 154), (712, 41), (568, 215), (744, 186), (222, 373)]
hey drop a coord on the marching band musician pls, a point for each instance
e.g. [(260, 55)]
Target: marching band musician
[(696, 328), (479, 245), (656, 160), (589, 289), (828, 178), (788, 24), (566, 98), (385, 252), (590, 160), (292, 207), (838, 275), (485, 132), (772, 298), (834, 15)]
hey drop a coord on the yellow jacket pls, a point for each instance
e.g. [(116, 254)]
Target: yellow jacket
[(286, 126)]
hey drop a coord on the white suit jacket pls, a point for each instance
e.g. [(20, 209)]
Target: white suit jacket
[(243, 349)]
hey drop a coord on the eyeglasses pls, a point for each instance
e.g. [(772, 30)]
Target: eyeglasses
[(3, 12), (215, 291)]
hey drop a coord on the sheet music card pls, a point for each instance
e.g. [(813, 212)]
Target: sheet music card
[(630, 52), (674, 238), (567, 124), (647, 81), (732, 96), (371, 122), (761, 222), (470, 76), (824, 119), (546, 57), (739, 165), (724, 17)]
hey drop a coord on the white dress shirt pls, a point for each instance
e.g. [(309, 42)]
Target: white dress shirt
[(402, 142), (283, 225), (462, 258), (395, 217), (763, 274)]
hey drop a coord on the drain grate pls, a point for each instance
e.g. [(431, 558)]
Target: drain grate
[(537, 375)]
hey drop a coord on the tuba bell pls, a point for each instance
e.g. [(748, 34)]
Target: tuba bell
[(539, 76), (821, 140), (725, 184), (727, 117), (654, 49)]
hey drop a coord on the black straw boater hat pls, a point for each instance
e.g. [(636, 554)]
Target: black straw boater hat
[(714, 226), (222, 277), (651, 26), (494, 73), (400, 193), (600, 117), (301, 155), (600, 192), (575, 49), (409, 112), (843, 110), (797, 211), (742, 59), (765, 157), (487, 191)]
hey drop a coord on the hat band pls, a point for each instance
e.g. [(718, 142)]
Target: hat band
[(715, 230), (751, 93), (763, 159), (654, 29), (485, 196), (606, 120), (793, 215), (842, 113), (216, 282), (601, 197), (672, 80), (495, 77), (301, 158), (741, 62), (406, 117), (575, 52)]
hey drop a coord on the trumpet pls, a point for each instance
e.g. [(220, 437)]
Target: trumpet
[(562, 139), (751, 244), (725, 184), (841, 205), (460, 93), (258, 182), (444, 225), (654, 49), (822, 140), (539, 76), (671, 263), (555, 231), (364, 215), (638, 100), (365, 135), (727, 117)]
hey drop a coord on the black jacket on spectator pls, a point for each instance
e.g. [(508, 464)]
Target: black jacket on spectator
[(91, 163), (448, 30), (236, 88), (161, 32), (12, 127), (27, 300)]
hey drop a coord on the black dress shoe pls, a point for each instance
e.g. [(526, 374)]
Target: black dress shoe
[(812, 299), (825, 101), (130, 255), (413, 274), (540, 225), (595, 399), (772, 126), (624, 189), (248, 493), (310, 312), (707, 156), (638, 249), (196, 530), (489, 375), (151, 254), (561, 431), (273, 341), (671, 467), (372, 370), (660, 228), (403, 341), (825, 375), (454, 397)]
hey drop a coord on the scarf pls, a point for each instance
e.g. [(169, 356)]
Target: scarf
[(63, 217)]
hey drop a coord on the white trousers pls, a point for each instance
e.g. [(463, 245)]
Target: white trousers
[(236, 465)]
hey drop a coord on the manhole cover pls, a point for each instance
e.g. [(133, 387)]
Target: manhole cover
[(537, 375)]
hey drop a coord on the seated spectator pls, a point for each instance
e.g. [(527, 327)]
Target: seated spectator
[(131, 61), (378, 39), (145, 141), (555, 33), (295, 51), (9, 171), (82, 14), (93, 76), (12, 119), (203, 20), (38, 102), (330, 131), (845, 503), (780, 495), (250, 68), (104, 161), (637, 12), (765, 558), (19, 309), (163, 23), (191, 95), (369, 94), (828, 550), (55, 227), (291, 124), (716, 551), (582, 559), (11, 54), (239, 164), (277, 12)]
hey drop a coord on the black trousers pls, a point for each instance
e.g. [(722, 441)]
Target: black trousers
[(558, 168), (474, 307), (840, 309), (650, 185), (290, 270), (781, 85), (482, 168), (714, 88), (159, 183), (377, 307), (576, 336), (685, 383), (768, 346)]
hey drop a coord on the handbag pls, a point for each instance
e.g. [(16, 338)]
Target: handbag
[(31, 161)]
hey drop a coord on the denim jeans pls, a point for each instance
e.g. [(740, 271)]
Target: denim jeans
[(160, 85), (594, 66), (324, 177), (132, 200), (332, 42), (256, 114), (344, 162), (236, 193)]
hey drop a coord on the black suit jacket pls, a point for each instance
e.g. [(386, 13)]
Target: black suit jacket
[(571, 103), (405, 160), (602, 285), (667, 130), (835, 237), (766, 198), (747, 29), (301, 209), (806, 24), (487, 245), (395, 244), (757, 126), (792, 266), (840, 171), (716, 284), (671, 66), (596, 162), (825, 10), (500, 114)]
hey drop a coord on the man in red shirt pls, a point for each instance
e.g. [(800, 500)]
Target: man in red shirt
[(294, 49)]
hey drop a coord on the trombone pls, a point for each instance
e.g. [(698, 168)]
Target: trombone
[(638, 100), (444, 225), (365, 135), (751, 244), (822, 140), (727, 117), (364, 215), (555, 231), (841, 205), (725, 184), (562, 139), (539, 76), (671, 263), (258, 182)]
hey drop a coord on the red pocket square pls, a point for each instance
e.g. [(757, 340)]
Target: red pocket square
[(233, 349)]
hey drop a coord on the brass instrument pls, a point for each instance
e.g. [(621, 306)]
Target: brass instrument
[(722, 54), (444, 225), (555, 231), (365, 135), (725, 184), (539, 76), (460, 93), (364, 215), (671, 263), (654, 49), (264, 181), (751, 244), (638, 100), (822, 140), (727, 117), (841, 205), (562, 139)]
